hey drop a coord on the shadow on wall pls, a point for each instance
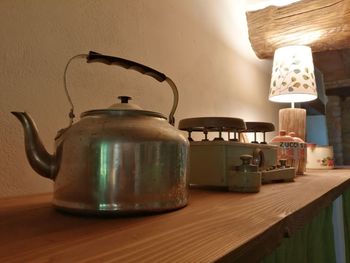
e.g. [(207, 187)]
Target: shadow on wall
[(183, 39)]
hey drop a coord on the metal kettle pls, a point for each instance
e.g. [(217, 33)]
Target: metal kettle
[(118, 160)]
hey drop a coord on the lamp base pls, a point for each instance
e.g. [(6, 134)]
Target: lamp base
[(293, 120)]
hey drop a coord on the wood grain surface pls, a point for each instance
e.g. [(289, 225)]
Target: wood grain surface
[(293, 120), (216, 225), (323, 25)]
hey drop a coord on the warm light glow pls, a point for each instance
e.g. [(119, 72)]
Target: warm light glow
[(293, 98), (299, 38), (293, 78), (256, 5)]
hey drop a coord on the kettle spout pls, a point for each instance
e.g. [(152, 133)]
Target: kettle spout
[(40, 160)]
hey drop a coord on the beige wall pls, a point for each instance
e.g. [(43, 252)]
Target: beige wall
[(201, 44)]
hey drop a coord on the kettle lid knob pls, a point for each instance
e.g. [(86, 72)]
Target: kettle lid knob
[(124, 99), (124, 104)]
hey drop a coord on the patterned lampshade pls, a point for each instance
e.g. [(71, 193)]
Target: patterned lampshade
[(293, 78)]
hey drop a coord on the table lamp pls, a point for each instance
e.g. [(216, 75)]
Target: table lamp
[(293, 80)]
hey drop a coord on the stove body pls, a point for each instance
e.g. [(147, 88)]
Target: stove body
[(211, 162), (215, 162)]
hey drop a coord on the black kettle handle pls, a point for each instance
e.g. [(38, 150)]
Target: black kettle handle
[(127, 64)]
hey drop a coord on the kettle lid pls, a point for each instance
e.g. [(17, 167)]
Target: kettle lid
[(124, 108)]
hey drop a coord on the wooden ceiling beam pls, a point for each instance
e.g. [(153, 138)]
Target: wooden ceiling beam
[(323, 25)]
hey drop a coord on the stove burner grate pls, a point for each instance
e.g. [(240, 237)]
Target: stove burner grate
[(224, 124)]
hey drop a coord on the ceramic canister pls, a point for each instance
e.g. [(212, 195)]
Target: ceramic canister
[(287, 148), (300, 154), (319, 157)]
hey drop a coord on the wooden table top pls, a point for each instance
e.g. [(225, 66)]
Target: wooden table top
[(216, 225)]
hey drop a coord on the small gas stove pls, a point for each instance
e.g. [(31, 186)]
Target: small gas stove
[(212, 161)]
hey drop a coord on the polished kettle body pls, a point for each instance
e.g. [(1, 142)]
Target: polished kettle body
[(118, 160)]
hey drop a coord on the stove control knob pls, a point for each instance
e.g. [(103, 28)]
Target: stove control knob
[(258, 157), (247, 165), (246, 178), (283, 163), (246, 158)]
